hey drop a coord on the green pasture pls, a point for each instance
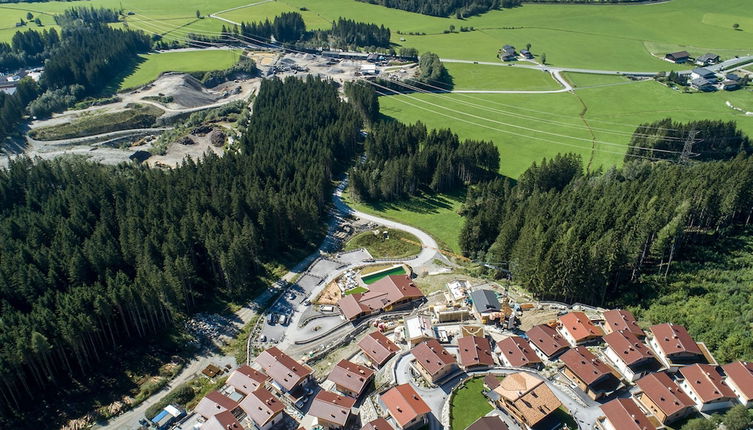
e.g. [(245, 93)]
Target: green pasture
[(485, 77), (180, 61), (587, 80)]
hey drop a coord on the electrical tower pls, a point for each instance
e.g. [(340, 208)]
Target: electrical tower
[(687, 149)]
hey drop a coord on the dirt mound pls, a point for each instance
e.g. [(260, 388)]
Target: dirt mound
[(185, 90)]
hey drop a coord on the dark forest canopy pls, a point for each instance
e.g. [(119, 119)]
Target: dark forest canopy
[(94, 256), (402, 159), (715, 140), (443, 8), (87, 14), (571, 236)]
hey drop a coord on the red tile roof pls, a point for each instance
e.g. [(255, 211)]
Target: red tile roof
[(475, 351), (246, 379), (707, 383), (624, 414), (586, 366), (222, 421), (547, 339), (350, 306), (674, 339), (628, 347), (741, 373), (618, 319), (404, 404), (518, 351), (377, 347), (261, 406), (214, 403), (283, 369), (351, 376), (381, 294), (665, 394), (332, 407), (378, 424), (579, 326), (488, 423), (432, 356)]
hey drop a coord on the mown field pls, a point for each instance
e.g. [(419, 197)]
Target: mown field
[(485, 77), (153, 65)]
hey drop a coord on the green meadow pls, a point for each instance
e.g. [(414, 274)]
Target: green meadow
[(153, 65), (485, 77)]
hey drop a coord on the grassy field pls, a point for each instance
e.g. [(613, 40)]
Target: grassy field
[(468, 404), (139, 116), (395, 246), (436, 215), (183, 61), (486, 77)]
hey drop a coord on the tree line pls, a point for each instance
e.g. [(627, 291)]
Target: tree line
[(443, 8), (94, 256)]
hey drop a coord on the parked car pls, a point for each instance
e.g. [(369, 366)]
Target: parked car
[(271, 319), (263, 338), (283, 319)]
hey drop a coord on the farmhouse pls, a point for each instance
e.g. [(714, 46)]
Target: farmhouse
[(707, 59), (623, 414), (527, 398), (433, 361), (631, 356), (263, 409), (589, 373), (331, 410), (526, 53), (418, 328), (517, 352), (675, 347), (678, 57), (486, 306), (287, 373), (663, 398), (508, 53), (378, 348), (619, 319), (705, 386), (213, 404), (703, 84), (475, 352), (245, 379), (384, 295), (578, 329), (740, 379), (378, 424), (547, 343), (702, 72), (731, 82), (406, 407), (350, 378)]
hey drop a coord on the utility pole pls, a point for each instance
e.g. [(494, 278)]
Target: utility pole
[(687, 149)]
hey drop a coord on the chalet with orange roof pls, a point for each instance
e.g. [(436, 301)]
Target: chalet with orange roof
[(433, 361), (331, 410), (385, 294), (740, 379), (630, 355), (350, 378), (661, 396), (589, 373), (378, 424), (619, 319), (475, 352), (406, 407), (526, 398), (546, 342), (578, 329), (378, 348), (704, 384), (517, 352), (623, 414)]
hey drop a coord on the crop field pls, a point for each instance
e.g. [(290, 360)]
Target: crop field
[(486, 77), (181, 61)]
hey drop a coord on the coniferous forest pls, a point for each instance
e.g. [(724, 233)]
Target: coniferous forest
[(94, 256), (443, 8)]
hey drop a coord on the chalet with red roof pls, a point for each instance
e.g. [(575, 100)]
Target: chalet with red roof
[(622, 320), (517, 352), (222, 421), (630, 356), (378, 348), (546, 342), (331, 410), (213, 404), (663, 398), (704, 384), (675, 347), (378, 424), (475, 352), (246, 379), (385, 294), (287, 373), (406, 407), (350, 378), (578, 329), (262, 409), (589, 373), (740, 379), (623, 414), (433, 361)]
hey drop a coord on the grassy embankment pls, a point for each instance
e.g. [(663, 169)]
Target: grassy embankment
[(184, 61), (137, 116), (398, 244)]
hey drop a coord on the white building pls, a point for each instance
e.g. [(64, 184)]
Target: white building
[(418, 329)]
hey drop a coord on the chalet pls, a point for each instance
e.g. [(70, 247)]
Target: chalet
[(492, 422), (623, 414), (245, 379), (578, 329), (385, 294), (589, 373), (418, 328), (213, 404), (286, 373), (527, 54), (675, 347), (527, 398), (630, 356), (406, 407), (350, 378), (486, 306), (433, 361), (705, 386), (619, 319), (663, 398), (222, 421), (546, 342), (703, 84), (331, 410), (262, 409), (377, 348), (701, 72), (707, 59), (678, 57), (740, 379), (517, 352), (378, 424), (508, 53), (475, 352)]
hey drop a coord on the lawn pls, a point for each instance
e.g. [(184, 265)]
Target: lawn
[(153, 65), (585, 80), (485, 77), (434, 214), (468, 404), (398, 244)]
